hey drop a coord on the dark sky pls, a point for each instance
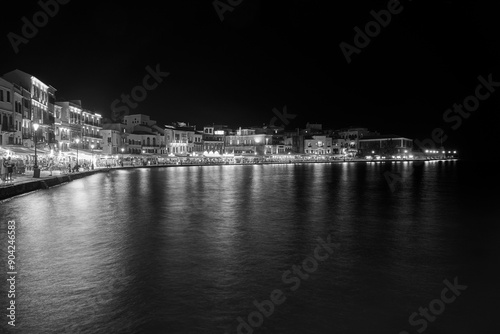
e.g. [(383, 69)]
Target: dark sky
[(267, 55)]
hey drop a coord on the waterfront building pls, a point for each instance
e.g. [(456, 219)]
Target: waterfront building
[(91, 128), (27, 116), (113, 141), (145, 136), (348, 139), (294, 140), (198, 142), (68, 124), (318, 145), (51, 103), (18, 113), (145, 142), (213, 138), (246, 141), (114, 138), (385, 145), (180, 139), (277, 143), (10, 130), (39, 102)]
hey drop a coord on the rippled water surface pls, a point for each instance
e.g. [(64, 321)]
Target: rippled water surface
[(189, 249)]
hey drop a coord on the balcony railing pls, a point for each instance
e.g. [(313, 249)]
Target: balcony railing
[(152, 146), (92, 135)]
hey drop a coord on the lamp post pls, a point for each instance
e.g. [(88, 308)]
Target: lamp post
[(77, 140), (92, 150), (36, 170), (122, 149)]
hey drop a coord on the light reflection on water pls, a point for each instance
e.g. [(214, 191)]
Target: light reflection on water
[(187, 250)]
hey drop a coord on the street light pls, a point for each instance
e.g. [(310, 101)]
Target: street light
[(77, 140), (92, 150), (36, 170), (122, 149)]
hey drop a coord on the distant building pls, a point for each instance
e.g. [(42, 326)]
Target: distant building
[(112, 141), (318, 144), (144, 135), (385, 145), (180, 139), (198, 142), (213, 138), (246, 141), (347, 139)]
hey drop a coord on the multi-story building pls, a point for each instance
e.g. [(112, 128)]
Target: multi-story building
[(213, 138), (112, 141), (10, 128), (294, 141), (20, 115), (198, 142), (39, 101), (68, 124), (91, 127), (51, 103), (246, 141), (180, 139), (144, 136), (318, 144), (385, 145), (349, 138)]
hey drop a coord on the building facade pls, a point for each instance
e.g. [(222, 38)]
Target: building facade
[(385, 145), (91, 128), (318, 145), (9, 128), (40, 94)]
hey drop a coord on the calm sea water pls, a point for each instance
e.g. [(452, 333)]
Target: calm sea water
[(189, 250)]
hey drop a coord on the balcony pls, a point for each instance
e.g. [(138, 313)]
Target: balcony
[(92, 135), (91, 123), (152, 147)]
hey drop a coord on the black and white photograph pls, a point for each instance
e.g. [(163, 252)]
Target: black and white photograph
[(249, 166)]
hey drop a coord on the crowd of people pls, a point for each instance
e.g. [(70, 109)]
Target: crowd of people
[(7, 169)]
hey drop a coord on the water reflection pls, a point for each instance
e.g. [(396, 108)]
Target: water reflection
[(189, 249)]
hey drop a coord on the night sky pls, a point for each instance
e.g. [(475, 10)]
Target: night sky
[(265, 56)]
